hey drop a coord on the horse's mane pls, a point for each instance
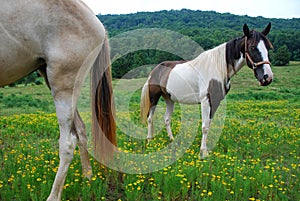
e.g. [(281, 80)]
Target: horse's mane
[(233, 50), (212, 58)]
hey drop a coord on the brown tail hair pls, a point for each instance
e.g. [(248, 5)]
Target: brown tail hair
[(103, 110), (145, 103)]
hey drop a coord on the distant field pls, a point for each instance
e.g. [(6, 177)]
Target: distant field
[(244, 86), (256, 158)]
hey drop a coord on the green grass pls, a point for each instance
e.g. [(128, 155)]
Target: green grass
[(21, 99), (256, 158)]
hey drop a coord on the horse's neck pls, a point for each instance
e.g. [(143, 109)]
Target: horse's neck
[(214, 60), (238, 64), (234, 56)]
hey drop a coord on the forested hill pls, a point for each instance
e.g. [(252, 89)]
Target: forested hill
[(207, 28), (188, 19)]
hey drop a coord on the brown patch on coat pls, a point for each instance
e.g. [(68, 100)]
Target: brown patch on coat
[(159, 78), (215, 94), (234, 48)]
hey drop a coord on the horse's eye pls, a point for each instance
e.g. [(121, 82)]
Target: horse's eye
[(252, 48)]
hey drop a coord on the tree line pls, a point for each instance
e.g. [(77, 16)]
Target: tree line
[(207, 28)]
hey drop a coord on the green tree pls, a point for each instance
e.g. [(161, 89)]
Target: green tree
[(281, 57)]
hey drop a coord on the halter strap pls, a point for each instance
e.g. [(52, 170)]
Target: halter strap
[(247, 56)]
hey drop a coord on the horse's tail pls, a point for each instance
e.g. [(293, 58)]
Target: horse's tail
[(145, 102), (103, 110)]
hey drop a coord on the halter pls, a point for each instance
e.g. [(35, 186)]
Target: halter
[(254, 64)]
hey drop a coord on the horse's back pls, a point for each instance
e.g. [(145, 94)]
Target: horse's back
[(35, 32)]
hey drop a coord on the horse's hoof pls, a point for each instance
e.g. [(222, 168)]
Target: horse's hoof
[(172, 138), (203, 154), (149, 140)]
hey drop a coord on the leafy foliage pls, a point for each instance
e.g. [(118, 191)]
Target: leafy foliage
[(281, 57)]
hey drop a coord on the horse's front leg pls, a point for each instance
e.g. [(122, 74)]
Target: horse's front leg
[(205, 109)]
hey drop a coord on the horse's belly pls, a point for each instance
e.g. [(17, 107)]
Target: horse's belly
[(18, 57), (183, 86), (14, 64)]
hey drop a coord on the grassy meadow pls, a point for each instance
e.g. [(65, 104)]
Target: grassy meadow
[(256, 158)]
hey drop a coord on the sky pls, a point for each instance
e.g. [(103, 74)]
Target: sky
[(253, 8)]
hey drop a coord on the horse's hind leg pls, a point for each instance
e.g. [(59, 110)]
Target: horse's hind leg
[(65, 99), (79, 130), (67, 139), (69, 132), (82, 143), (168, 115), (150, 123), (81, 134)]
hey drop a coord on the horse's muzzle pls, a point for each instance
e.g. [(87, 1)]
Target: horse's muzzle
[(266, 80)]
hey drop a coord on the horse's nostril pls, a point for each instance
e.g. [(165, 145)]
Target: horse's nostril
[(266, 77)]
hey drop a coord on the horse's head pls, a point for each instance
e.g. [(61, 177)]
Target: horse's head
[(257, 46)]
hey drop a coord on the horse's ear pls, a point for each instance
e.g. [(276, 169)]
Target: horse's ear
[(246, 30), (267, 29)]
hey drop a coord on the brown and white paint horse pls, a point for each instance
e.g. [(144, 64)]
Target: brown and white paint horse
[(64, 40), (206, 79)]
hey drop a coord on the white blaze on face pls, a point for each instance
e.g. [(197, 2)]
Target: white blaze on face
[(264, 53)]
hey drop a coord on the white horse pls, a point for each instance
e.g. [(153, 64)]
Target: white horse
[(206, 79), (64, 40)]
